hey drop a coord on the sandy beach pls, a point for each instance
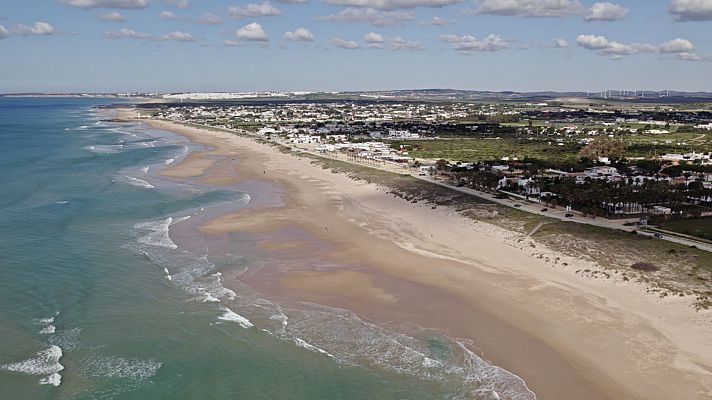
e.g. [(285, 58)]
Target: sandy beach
[(349, 244)]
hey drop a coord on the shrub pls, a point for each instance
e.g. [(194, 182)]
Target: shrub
[(645, 266)]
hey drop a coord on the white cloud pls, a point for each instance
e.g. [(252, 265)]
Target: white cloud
[(292, 1), (393, 4), (344, 44), (529, 8), (616, 50), (264, 9), (398, 43), (231, 43), (561, 43), (167, 15), (125, 33), (252, 32), (374, 40), (106, 3), (468, 44), (688, 57), (299, 35), (693, 57), (209, 19), (435, 21), (677, 46), (691, 10), (606, 12), (371, 16), (4, 32), (177, 36), (377, 41), (39, 28), (111, 16), (182, 4), (592, 42)]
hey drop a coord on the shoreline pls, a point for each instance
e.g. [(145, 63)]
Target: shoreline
[(543, 317)]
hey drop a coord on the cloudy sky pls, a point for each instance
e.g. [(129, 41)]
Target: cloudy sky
[(335, 45)]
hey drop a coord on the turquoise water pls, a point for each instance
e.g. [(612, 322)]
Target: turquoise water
[(98, 301)]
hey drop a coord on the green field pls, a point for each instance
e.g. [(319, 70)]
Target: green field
[(483, 149), (699, 227), (546, 148)]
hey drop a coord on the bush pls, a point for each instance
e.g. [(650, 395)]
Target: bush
[(645, 266)]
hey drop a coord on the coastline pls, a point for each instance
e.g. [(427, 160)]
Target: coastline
[(566, 336)]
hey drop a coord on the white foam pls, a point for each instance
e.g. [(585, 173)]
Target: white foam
[(66, 339), (181, 219), (168, 274), (105, 148), (301, 343), (493, 380), (145, 169), (54, 380), (48, 330), (158, 235), (119, 367), (430, 363), (208, 298), (139, 182), (62, 202), (229, 315), (48, 320), (46, 363)]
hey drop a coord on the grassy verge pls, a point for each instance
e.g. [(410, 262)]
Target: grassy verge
[(683, 271), (700, 227)]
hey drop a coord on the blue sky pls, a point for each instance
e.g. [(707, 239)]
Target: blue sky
[(336, 45)]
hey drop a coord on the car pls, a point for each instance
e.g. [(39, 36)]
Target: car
[(544, 210), (658, 235), (517, 205), (569, 215)]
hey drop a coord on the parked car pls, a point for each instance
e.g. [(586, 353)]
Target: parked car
[(517, 205), (569, 215), (544, 210), (658, 235)]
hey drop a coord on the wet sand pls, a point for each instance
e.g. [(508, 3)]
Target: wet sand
[(348, 244)]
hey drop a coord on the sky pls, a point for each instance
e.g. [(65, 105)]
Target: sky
[(343, 45)]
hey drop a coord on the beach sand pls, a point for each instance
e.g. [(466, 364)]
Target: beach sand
[(348, 244)]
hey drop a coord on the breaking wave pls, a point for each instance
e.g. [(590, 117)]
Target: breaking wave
[(46, 363)]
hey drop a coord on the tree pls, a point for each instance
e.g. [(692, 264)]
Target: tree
[(612, 149), (442, 165)]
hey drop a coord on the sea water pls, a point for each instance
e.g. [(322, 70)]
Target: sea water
[(99, 301)]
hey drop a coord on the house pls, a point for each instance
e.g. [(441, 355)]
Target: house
[(580, 177), (267, 131)]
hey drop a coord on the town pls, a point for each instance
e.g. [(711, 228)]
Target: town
[(624, 161)]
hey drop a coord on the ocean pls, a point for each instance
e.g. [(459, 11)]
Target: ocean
[(106, 292)]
